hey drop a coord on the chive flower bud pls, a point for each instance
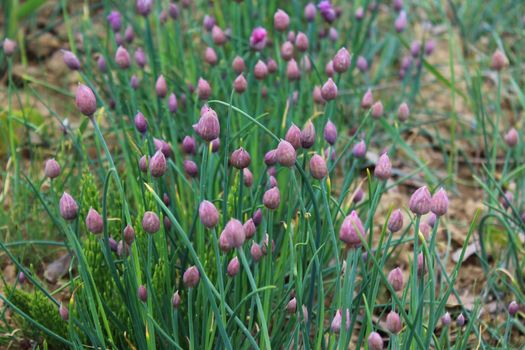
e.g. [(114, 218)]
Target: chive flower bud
[(359, 150), (217, 35), (52, 168), (191, 168), (281, 20), (257, 217), (285, 154), (249, 228), (293, 136), (240, 158), (258, 38), (368, 99), (513, 308), (191, 277), (377, 110), (208, 125), (420, 201), (375, 342), (142, 293), (511, 138), (446, 319), (203, 89), (330, 132), (393, 322), (71, 60), (157, 164), (395, 222), (308, 135), (439, 203), (291, 307), (233, 267), (383, 169), (68, 207), (240, 84), (175, 300), (63, 312), (9, 47), (318, 167), (256, 252), (140, 123), (272, 198), (499, 60), (292, 70), (341, 60), (161, 88), (122, 58), (351, 229), (329, 90), (403, 112), (238, 65), (309, 12), (301, 42), (260, 71), (208, 214), (85, 100), (129, 234), (460, 321), (150, 222), (188, 145), (395, 278), (362, 64), (94, 222)]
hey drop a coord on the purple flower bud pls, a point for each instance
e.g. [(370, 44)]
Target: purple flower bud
[(52, 168), (285, 154), (208, 214), (129, 234), (144, 7), (210, 56), (118, 39), (256, 252), (507, 199), (330, 132), (439, 203), (329, 90), (359, 13), (172, 103), (318, 167), (332, 34), (362, 64), (191, 277), (272, 198), (293, 136), (393, 322), (281, 21), (305, 64), (94, 222), (238, 65), (429, 47), (271, 65), (395, 222), (421, 265), (377, 110), (375, 342), (114, 20), (21, 277), (157, 164), (329, 69), (161, 88), (191, 168), (173, 11), (175, 300), (403, 112), (113, 245), (513, 308), (101, 64), (140, 58), (249, 228), (258, 39), (68, 207), (63, 312), (188, 145), (415, 48), (358, 195), (272, 182), (309, 12), (359, 150), (240, 84), (351, 229), (203, 89), (240, 158), (287, 51), (9, 47), (208, 22), (270, 158), (308, 135), (208, 126), (123, 249), (233, 267), (318, 95), (71, 60), (142, 293), (134, 82), (292, 70), (398, 5), (327, 11), (140, 123), (85, 100), (248, 177), (499, 60), (395, 278), (341, 60), (419, 203), (460, 321), (336, 324), (431, 220), (217, 35), (511, 138), (446, 319), (401, 22), (260, 71), (301, 42), (143, 164), (122, 58), (257, 217), (150, 222), (383, 169), (291, 307), (368, 99), (129, 34)]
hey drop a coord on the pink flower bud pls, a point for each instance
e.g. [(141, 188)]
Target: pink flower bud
[(52, 168), (210, 56), (395, 222), (403, 112), (143, 164), (351, 230), (329, 90), (218, 36), (208, 126), (305, 64), (330, 132), (359, 150), (208, 22), (419, 203), (129, 234), (234, 233), (172, 103), (191, 168), (431, 220), (173, 11), (260, 71), (144, 7), (439, 203), (9, 47), (191, 277), (142, 293), (249, 228), (238, 65), (499, 60), (150, 222), (240, 158), (85, 100), (123, 249), (292, 70), (233, 267), (318, 95), (63, 312), (285, 154), (460, 321), (429, 47), (375, 342), (329, 69), (415, 49), (368, 99), (161, 88), (401, 22), (362, 64), (511, 138), (336, 324), (398, 5), (395, 278), (383, 169), (70, 60), (257, 217), (208, 214), (287, 51), (203, 89), (308, 135), (291, 307), (157, 164), (188, 145), (240, 84), (258, 39), (134, 82), (68, 207), (393, 322), (94, 221), (281, 21), (377, 110), (301, 42), (272, 198), (318, 167), (270, 158), (21, 277), (358, 195), (122, 58), (341, 60), (332, 34), (272, 65), (175, 300), (513, 308), (309, 12), (256, 252), (446, 319), (140, 123), (293, 136), (248, 177), (129, 34), (421, 265), (359, 13)]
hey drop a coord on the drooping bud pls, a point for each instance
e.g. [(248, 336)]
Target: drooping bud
[(395, 278), (439, 203), (63, 312), (318, 167), (293, 136), (142, 293), (233, 267), (511, 138), (368, 99), (329, 90), (351, 230), (393, 322), (94, 222), (258, 39), (260, 71), (208, 214), (208, 126), (85, 100), (191, 277), (52, 168), (359, 150), (499, 60), (9, 47), (240, 84), (203, 89), (308, 135), (68, 207), (256, 252), (281, 21), (286, 154), (150, 222), (70, 60), (395, 222), (341, 60), (403, 112), (377, 110), (272, 198), (140, 123), (419, 203), (383, 169), (238, 65)]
